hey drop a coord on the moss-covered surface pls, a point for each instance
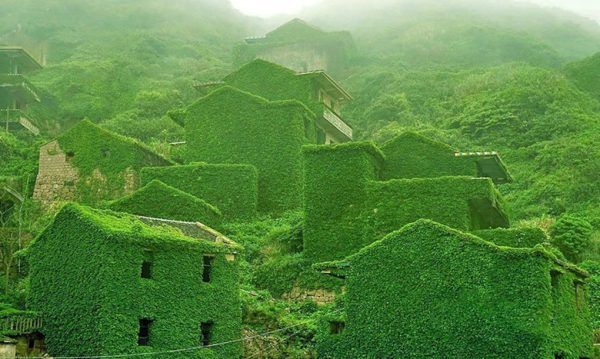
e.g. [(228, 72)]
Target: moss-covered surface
[(411, 155), (232, 126), (275, 83), (335, 191), (159, 200), (347, 206), (514, 237), (107, 162), (231, 188), (428, 291), (85, 277), (593, 289)]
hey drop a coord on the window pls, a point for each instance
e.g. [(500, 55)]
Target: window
[(144, 333), (578, 294), (206, 333), (207, 268), (554, 277), (337, 327), (147, 264)]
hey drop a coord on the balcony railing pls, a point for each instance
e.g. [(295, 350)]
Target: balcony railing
[(8, 116), (20, 323), (19, 80), (337, 122)]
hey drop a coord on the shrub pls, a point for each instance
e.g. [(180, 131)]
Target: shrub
[(573, 236)]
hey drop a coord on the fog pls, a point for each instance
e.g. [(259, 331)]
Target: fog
[(267, 8), (586, 8)]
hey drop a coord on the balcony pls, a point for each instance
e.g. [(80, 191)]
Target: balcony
[(20, 323), (333, 120), (19, 86), (17, 118)]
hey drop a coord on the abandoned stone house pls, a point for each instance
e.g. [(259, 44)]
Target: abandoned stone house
[(88, 163), (16, 92), (448, 294), (356, 193), (110, 283), (301, 47)]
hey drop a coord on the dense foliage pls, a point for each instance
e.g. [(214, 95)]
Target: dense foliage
[(231, 126), (573, 236), (461, 280), (159, 200), (483, 75), (105, 161), (233, 189), (86, 254)]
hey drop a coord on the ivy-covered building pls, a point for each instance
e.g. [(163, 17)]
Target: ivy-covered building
[(108, 283), (232, 188), (160, 200), (301, 47), (429, 291), (230, 126), (89, 164), (356, 193), (16, 92), (316, 90)]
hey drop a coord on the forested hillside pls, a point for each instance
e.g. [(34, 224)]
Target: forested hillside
[(482, 75)]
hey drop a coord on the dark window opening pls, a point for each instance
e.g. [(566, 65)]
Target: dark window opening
[(578, 295), (554, 277), (206, 333), (559, 356), (31, 343), (147, 265), (105, 152), (207, 268), (69, 155), (144, 333), (337, 327)]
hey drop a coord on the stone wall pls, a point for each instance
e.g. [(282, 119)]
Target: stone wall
[(57, 177), (320, 296)]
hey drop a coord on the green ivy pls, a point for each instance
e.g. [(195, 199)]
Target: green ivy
[(104, 160), (514, 237), (231, 188), (428, 291), (159, 200), (85, 279), (231, 126)]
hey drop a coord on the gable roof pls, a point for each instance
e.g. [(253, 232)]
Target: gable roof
[(127, 226), (295, 29), (232, 94), (340, 268), (260, 67), (86, 128), (157, 199)]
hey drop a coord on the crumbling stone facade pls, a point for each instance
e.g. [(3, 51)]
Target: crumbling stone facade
[(56, 177)]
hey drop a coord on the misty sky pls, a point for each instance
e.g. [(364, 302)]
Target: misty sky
[(266, 8)]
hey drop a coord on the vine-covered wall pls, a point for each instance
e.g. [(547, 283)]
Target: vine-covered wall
[(348, 206), (232, 188), (428, 291), (106, 164), (159, 200), (231, 126), (85, 277), (334, 195), (514, 237)]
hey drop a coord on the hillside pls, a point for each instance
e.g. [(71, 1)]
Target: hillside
[(472, 76)]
